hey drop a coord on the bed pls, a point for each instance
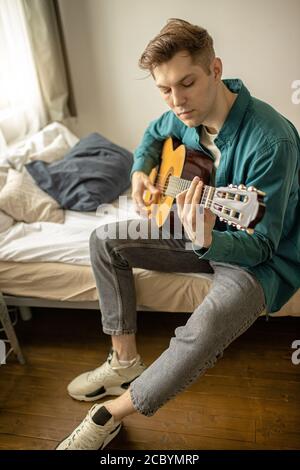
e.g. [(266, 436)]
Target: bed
[(46, 263)]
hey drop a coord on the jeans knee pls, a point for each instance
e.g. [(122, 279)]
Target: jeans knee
[(105, 239), (103, 235), (98, 245), (93, 241)]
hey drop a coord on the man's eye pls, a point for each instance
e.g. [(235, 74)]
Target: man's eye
[(186, 85), (166, 92)]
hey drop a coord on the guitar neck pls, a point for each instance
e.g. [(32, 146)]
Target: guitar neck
[(177, 185)]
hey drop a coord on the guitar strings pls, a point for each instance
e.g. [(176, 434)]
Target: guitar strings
[(173, 192), (182, 186), (163, 188), (174, 180), (205, 200), (179, 183), (216, 205), (176, 189), (170, 186)]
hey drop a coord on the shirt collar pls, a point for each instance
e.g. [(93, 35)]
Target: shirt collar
[(236, 114)]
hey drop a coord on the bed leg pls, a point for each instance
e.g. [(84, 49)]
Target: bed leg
[(10, 332), (25, 313)]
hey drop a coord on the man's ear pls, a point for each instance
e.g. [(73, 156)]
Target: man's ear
[(217, 68)]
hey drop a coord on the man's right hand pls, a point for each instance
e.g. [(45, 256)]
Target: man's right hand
[(140, 182)]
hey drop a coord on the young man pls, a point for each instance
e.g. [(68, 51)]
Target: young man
[(251, 144)]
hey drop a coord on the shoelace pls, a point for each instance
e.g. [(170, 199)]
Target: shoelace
[(85, 436), (100, 373), (104, 371)]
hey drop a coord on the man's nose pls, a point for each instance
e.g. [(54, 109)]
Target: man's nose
[(178, 99)]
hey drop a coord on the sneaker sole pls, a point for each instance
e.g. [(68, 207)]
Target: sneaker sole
[(113, 391)]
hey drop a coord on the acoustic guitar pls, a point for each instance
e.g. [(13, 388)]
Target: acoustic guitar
[(238, 206)]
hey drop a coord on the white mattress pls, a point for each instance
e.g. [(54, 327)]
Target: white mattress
[(64, 243)]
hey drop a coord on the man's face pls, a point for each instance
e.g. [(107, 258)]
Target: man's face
[(187, 89)]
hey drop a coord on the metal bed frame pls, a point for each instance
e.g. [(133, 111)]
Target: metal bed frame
[(24, 305)]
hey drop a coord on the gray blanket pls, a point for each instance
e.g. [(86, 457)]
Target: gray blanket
[(95, 171)]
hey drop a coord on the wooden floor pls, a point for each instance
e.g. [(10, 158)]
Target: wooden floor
[(249, 400)]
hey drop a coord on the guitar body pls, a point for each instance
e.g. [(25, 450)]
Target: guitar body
[(176, 160)]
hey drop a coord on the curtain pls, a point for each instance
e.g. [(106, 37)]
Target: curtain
[(46, 41), (33, 83)]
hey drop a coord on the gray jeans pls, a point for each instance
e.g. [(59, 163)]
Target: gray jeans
[(233, 303)]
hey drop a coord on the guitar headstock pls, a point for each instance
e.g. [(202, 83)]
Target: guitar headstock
[(239, 206)]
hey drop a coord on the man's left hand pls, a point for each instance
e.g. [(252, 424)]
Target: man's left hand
[(187, 207)]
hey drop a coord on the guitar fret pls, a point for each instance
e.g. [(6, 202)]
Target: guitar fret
[(177, 185)]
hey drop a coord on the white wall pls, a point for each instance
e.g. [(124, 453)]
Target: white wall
[(258, 41)]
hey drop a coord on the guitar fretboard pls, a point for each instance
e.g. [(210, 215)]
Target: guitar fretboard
[(177, 185)]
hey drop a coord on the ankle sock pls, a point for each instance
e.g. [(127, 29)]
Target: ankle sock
[(127, 363)]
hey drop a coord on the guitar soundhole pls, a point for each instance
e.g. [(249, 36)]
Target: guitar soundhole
[(165, 185)]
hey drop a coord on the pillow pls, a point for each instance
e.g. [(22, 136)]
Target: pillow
[(41, 145), (24, 201), (95, 171), (55, 151), (5, 222), (3, 178)]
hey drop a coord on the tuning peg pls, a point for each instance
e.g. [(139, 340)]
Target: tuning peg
[(229, 222), (241, 186), (221, 218), (253, 188), (238, 226), (231, 186)]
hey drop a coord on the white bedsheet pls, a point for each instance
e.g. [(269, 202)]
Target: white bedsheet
[(64, 243)]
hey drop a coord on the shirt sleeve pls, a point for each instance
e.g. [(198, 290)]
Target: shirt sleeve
[(274, 171), (147, 154)]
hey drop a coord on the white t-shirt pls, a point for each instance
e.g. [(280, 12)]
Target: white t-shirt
[(208, 140)]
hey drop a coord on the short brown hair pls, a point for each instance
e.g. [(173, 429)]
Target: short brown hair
[(178, 35)]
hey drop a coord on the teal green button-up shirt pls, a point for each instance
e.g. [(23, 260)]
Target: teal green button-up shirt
[(259, 147)]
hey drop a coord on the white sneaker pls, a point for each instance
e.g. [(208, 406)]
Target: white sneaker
[(89, 435), (109, 379)]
